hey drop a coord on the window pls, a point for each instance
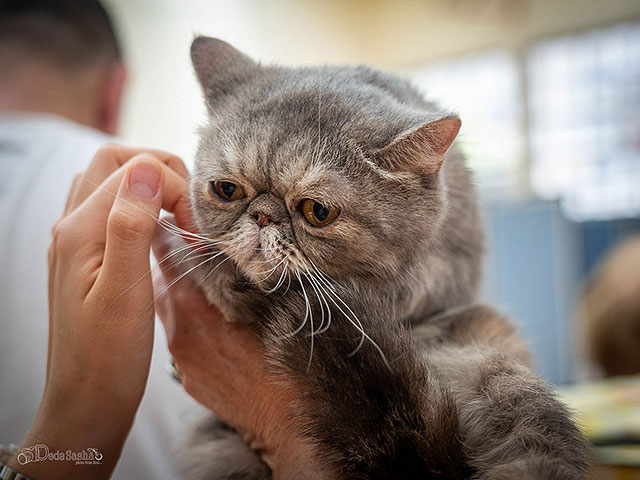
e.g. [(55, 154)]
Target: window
[(584, 111), (583, 119), (485, 91)]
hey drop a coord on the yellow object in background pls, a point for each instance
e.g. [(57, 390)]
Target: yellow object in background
[(615, 473), (608, 413)]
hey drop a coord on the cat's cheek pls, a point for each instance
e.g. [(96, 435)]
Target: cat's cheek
[(212, 220)]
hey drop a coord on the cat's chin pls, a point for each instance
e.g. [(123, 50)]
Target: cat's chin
[(229, 290), (225, 299), (263, 273)]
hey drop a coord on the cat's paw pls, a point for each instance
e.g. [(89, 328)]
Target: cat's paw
[(538, 468)]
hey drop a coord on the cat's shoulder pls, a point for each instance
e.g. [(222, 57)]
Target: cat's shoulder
[(469, 325)]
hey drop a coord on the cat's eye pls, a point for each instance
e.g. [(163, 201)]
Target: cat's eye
[(318, 214), (227, 191)]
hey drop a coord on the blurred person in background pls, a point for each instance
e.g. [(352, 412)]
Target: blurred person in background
[(608, 409), (61, 84), (610, 312)]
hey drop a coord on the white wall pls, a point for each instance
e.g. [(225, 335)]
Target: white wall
[(163, 106)]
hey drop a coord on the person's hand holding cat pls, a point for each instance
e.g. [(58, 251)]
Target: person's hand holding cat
[(223, 366), (101, 306)]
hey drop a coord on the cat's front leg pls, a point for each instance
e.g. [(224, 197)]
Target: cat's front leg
[(512, 425)]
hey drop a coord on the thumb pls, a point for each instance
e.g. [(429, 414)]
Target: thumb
[(131, 223)]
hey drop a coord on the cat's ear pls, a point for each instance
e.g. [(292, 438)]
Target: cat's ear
[(220, 68), (422, 149)]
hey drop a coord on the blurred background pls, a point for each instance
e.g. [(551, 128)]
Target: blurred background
[(548, 92)]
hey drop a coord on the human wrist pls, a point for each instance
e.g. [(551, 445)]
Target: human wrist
[(84, 439), (289, 453)]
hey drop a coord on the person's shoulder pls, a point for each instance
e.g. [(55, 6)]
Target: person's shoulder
[(51, 139), (26, 124)]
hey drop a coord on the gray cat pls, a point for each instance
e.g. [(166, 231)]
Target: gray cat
[(352, 246)]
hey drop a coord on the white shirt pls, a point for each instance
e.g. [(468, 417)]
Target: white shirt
[(39, 156)]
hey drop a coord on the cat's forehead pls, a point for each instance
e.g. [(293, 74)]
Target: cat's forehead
[(272, 162)]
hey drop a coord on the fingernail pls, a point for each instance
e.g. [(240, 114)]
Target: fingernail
[(144, 180)]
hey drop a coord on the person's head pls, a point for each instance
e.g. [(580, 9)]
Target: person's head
[(610, 311), (61, 57)]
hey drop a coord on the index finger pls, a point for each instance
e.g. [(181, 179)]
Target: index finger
[(109, 159)]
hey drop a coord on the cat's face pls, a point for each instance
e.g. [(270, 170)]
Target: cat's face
[(295, 206), (298, 173)]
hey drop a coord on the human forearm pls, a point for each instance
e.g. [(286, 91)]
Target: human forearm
[(100, 324), (72, 428)]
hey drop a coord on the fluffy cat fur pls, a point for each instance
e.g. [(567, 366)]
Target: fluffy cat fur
[(436, 386)]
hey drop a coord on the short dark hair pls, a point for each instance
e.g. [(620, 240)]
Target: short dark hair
[(68, 33)]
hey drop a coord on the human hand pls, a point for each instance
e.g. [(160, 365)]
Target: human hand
[(101, 306), (223, 366)]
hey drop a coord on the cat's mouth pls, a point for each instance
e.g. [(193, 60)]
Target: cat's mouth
[(265, 273), (260, 256)]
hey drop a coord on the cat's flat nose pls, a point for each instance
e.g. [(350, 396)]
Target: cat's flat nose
[(261, 219), (267, 209)]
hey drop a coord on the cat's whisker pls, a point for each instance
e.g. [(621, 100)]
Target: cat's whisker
[(309, 313), (328, 280), (198, 249), (174, 262), (285, 269), (420, 282), (195, 257), (321, 326), (354, 321), (326, 327), (280, 280), (273, 269), (315, 281), (329, 284), (157, 264), (353, 318), (226, 134), (260, 261), (181, 232), (315, 289), (282, 277), (288, 284), (180, 249), (212, 270), (180, 277), (306, 315)]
